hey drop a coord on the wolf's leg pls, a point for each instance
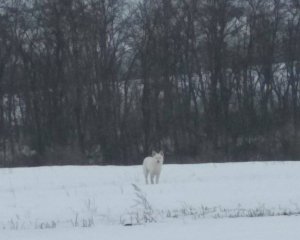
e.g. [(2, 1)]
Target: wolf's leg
[(152, 178), (146, 172), (157, 178)]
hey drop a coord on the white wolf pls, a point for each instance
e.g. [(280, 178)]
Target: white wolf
[(152, 165)]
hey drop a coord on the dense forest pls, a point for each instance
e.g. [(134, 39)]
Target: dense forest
[(108, 81)]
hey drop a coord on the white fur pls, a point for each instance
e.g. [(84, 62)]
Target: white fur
[(152, 165)]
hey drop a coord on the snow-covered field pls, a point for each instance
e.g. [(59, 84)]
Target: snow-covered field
[(254, 200)]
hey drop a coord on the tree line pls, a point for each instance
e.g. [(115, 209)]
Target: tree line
[(108, 81)]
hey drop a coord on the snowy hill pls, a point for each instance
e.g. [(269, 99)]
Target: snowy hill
[(258, 200)]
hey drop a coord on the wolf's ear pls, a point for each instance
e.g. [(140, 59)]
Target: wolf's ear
[(153, 153), (161, 153)]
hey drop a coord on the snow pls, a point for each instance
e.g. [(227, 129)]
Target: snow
[(218, 229), (253, 200)]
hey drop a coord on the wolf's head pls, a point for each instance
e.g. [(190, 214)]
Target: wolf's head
[(159, 157)]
